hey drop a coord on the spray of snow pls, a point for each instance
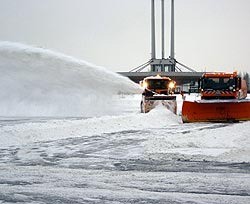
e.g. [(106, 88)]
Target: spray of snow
[(40, 82)]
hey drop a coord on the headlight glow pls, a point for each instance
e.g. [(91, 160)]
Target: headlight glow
[(145, 85), (171, 85)]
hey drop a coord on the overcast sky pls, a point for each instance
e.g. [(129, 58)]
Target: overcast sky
[(211, 35)]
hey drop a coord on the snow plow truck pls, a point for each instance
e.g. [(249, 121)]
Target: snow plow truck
[(223, 99), (158, 90)]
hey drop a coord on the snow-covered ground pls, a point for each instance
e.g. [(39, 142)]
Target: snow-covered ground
[(96, 147)]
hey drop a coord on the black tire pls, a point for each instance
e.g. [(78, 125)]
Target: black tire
[(142, 109)]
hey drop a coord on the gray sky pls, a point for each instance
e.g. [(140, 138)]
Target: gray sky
[(211, 35)]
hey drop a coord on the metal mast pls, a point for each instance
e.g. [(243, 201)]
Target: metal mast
[(172, 31), (153, 29), (162, 29), (161, 65)]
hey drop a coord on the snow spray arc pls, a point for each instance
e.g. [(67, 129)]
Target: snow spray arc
[(40, 82)]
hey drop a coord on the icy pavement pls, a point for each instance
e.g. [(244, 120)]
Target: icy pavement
[(129, 158)]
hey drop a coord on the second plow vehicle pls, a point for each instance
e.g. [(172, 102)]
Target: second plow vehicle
[(223, 99)]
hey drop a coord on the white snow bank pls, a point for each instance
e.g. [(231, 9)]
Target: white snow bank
[(26, 133), (40, 82)]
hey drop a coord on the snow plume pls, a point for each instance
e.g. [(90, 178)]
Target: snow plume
[(40, 82)]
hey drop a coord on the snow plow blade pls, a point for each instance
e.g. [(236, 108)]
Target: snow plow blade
[(151, 102), (215, 111)]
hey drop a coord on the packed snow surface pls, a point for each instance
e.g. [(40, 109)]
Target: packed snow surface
[(163, 133), (67, 137)]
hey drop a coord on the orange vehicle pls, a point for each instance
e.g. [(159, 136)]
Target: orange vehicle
[(222, 86), (223, 98), (158, 90)]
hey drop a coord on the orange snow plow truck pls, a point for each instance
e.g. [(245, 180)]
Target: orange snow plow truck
[(158, 90), (223, 99)]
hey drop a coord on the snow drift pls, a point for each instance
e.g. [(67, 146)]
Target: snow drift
[(28, 132), (40, 82)]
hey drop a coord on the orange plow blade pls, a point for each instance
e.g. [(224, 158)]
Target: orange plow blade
[(215, 111)]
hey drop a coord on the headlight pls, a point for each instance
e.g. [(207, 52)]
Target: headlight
[(171, 85), (145, 85)]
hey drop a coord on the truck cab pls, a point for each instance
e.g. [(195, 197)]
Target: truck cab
[(221, 86), (158, 90)]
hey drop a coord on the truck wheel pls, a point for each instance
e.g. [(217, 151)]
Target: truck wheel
[(142, 109)]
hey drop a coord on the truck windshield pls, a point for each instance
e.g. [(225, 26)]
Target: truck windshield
[(218, 83), (157, 84)]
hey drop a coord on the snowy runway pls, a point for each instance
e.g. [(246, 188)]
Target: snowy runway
[(66, 137), (129, 158), (66, 185)]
